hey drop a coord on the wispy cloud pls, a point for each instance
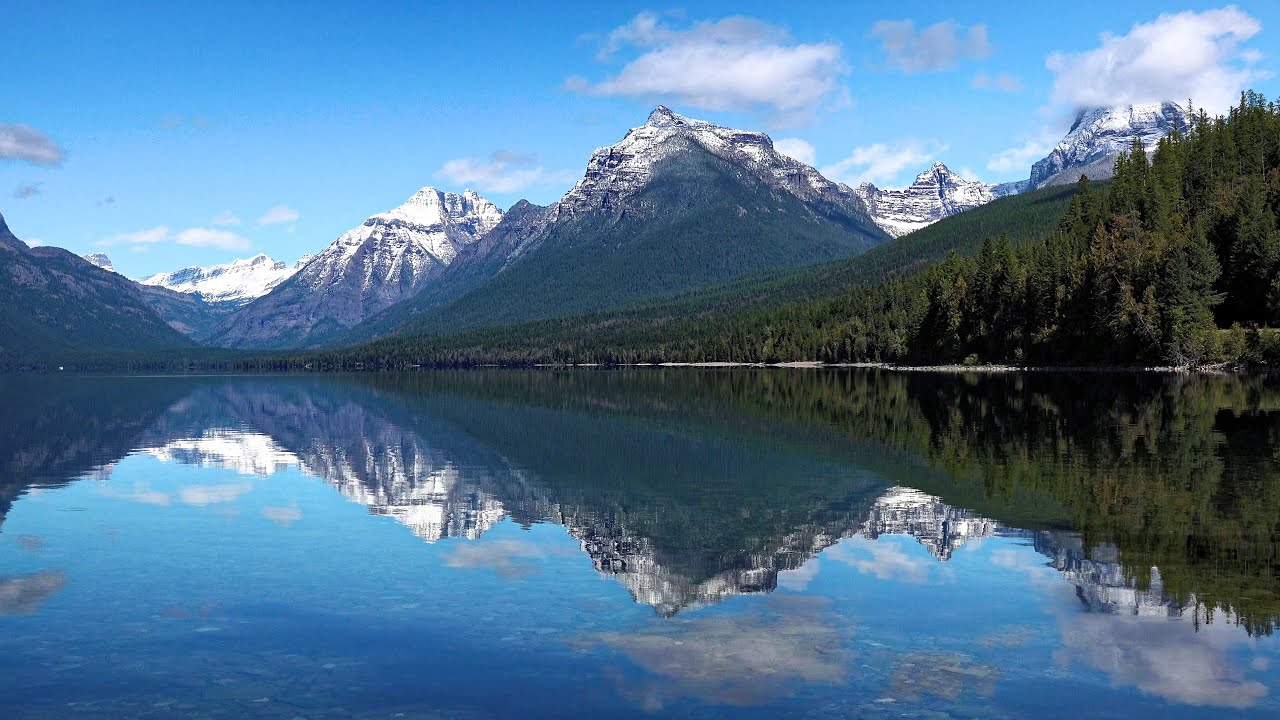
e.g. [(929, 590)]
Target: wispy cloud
[(1195, 55), (503, 171), (795, 147), (1019, 157), (191, 237), (884, 163), (736, 63), (938, 47), (27, 191), (999, 81), (23, 142), (279, 215)]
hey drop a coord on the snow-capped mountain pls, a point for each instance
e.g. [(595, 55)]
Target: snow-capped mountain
[(237, 282), (935, 194), (386, 259), (620, 171), (1100, 134), (675, 204), (101, 260)]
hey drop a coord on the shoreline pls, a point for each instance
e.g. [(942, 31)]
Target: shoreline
[(892, 367)]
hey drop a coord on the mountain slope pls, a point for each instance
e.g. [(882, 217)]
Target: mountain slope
[(54, 303), (935, 194), (237, 282), (632, 333), (1100, 134), (387, 259), (677, 204)]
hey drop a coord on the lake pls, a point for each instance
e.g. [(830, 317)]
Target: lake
[(640, 543)]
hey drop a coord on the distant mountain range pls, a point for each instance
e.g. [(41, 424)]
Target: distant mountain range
[(676, 204)]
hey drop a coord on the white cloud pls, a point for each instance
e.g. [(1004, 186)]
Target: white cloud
[(883, 163), (796, 148), (279, 215), (23, 142), (1020, 157), (938, 47), (737, 63), (208, 237), (503, 171), (1177, 56), (139, 237), (883, 559), (34, 242), (999, 81), (191, 237), (226, 218)]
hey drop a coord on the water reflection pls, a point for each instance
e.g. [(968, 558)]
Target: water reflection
[(1150, 534)]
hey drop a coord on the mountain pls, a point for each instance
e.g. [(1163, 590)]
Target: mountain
[(1100, 134), (237, 282), (54, 303), (387, 259), (101, 260), (935, 194), (677, 204)]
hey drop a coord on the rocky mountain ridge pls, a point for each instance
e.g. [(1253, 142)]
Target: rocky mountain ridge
[(386, 259)]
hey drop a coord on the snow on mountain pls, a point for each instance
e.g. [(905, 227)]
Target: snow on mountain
[(388, 258), (1100, 134), (101, 260), (935, 194), (620, 170), (616, 175), (403, 243), (236, 282)]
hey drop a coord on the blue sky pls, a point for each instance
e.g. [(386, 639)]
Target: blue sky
[(172, 134)]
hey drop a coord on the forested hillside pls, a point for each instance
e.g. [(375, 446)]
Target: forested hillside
[(1149, 269)]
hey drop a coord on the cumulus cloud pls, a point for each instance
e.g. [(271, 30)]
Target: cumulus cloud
[(938, 47), (279, 215), (796, 148), (27, 191), (23, 142), (736, 63), (191, 237), (883, 163), (1195, 55), (999, 81), (503, 171), (226, 218)]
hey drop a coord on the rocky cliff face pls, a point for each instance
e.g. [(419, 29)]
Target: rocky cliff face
[(1100, 134), (387, 259), (101, 260)]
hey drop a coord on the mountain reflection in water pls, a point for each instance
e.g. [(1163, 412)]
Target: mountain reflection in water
[(1149, 499)]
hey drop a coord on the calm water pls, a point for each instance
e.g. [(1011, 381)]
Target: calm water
[(640, 544)]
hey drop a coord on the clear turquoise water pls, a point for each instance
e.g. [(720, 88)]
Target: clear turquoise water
[(637, 544)]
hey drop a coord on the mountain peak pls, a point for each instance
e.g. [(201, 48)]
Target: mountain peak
[(101, 260), (663, 116), (1099, 134)]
